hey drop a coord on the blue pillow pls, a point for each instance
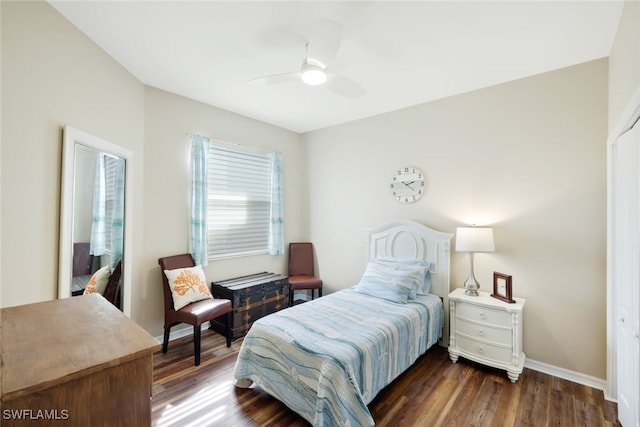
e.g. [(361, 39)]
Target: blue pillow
[(425, 286), (390, 282)]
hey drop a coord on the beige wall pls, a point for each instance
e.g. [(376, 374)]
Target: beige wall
[(52, 75), (168, 118), (0, 183), (527, 157), (624, 62)]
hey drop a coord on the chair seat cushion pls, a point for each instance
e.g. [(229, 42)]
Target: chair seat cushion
[(202, 311), (304, 281)]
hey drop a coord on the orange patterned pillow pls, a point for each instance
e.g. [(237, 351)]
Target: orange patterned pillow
[(187, 285), (98, 282)]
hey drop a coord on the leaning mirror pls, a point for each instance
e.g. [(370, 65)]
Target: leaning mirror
[(95, 219)]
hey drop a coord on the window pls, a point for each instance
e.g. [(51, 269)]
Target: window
[(108, 206), (110, 169), (238, 202)]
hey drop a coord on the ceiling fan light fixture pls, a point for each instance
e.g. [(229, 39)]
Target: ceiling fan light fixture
[(313, 75)]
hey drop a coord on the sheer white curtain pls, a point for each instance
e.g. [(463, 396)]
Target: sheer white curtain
[(276, 232), (199, 197)]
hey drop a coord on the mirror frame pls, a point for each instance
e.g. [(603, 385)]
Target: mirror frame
[(72, 138)]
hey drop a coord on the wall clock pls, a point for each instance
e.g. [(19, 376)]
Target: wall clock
[(407, 184)]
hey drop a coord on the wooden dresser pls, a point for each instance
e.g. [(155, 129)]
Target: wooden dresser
[(75, 362), (252, 297)]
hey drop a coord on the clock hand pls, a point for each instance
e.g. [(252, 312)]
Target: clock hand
[(408, 184)]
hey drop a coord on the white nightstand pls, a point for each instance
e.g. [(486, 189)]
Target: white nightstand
[(487, 330)]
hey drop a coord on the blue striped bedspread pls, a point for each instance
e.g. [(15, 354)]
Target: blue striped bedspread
[(328, 358)]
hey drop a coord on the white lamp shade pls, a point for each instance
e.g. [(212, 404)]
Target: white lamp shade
[(474, 239)]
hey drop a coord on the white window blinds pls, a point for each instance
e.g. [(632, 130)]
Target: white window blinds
[(239, 201), (110, 166)]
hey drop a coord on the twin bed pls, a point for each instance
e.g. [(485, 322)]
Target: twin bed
[(328, 358)]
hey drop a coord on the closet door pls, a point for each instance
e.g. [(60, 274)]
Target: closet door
[(626, 278)]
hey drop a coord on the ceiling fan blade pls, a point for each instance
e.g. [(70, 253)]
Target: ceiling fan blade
[(275, 79), (324, 43), (343, 86)]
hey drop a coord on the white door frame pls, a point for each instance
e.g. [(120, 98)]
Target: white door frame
[(630, 115)]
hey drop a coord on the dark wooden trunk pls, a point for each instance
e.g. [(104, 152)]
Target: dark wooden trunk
[(252, 297)]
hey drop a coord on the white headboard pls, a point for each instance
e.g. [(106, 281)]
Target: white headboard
[(408, 239)]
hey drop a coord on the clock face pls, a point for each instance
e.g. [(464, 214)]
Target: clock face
[(407, 184)]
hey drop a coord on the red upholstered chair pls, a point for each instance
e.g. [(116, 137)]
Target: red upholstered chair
[(301, 273), (195, 313)]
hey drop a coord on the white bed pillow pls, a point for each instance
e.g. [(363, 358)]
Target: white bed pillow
[(187, 285), (390, 282), (425, 287)]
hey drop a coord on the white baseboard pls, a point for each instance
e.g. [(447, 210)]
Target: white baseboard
[(302, 295), (566, 374), (180, 332)]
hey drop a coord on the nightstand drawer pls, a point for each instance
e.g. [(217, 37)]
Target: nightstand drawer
[(484, 314), (484, 332), (488, 351)]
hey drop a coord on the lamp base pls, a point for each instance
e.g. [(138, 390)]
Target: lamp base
[(471, 288), (471, 285), (471, 292)]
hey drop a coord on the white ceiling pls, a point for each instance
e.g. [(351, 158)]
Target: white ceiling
[(402, 53)]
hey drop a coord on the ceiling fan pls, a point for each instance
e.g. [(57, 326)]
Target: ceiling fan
[(321, 48)]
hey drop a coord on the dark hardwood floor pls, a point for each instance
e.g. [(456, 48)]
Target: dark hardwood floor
[(433, 392)]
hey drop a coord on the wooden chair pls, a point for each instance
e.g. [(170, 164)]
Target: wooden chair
[(301, 271), (82, 259), (195, 313), (111, 292)]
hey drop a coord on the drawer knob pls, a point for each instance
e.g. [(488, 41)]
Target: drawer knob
[(480, 350), (482, 315), (481, 332)]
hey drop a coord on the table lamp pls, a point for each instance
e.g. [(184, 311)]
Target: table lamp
[(472, 240)]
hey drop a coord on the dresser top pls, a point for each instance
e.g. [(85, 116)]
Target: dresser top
[(485, 299), (49, 343)]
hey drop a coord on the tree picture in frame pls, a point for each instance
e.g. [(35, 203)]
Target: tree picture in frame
[(502, 287)]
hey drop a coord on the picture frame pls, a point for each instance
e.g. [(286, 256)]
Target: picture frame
[(503, 287)]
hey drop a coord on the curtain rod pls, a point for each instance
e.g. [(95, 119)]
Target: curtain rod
[(234, 144)]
